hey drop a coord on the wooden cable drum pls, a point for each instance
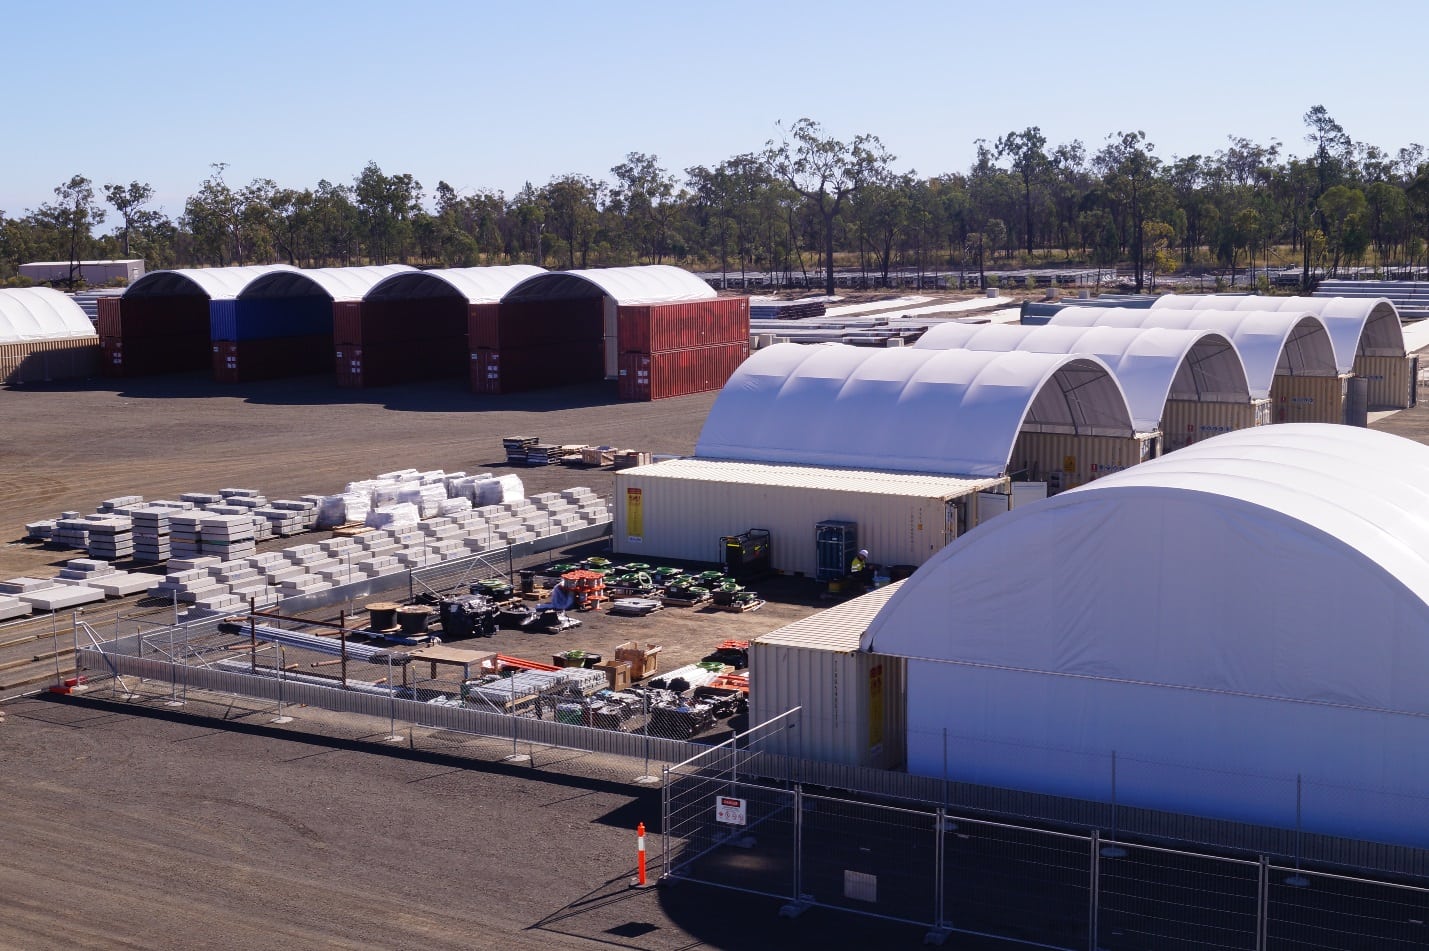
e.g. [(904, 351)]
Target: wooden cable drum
[(382, 615)]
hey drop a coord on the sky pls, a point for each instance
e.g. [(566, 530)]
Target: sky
[(492, 95)]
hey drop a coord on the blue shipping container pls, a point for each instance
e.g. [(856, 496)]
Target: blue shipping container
[(266, 319)]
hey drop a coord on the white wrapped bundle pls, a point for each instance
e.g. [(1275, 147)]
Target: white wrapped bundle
[(454, 507), (397, 515), (507, 488), (391, 493), (432, 497), (346, 507)]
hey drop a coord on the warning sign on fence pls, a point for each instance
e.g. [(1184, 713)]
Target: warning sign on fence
[(729, 810)]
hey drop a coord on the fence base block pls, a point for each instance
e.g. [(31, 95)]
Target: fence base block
[(937, 937), (648, 780), (796, 908)]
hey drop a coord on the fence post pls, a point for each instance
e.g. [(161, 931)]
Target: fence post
[(1094, 896), (1297, 880), (1262, 906), (940, 859)]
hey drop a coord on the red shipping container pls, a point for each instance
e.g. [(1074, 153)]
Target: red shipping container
[(108, 324), (347, 321), (239, 361), (529, 323), (658, 376), (405, 362), (163, 317), (517, 369), (653, 328)]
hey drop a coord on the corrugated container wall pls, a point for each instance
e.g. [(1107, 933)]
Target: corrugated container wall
[(651, 329), (1391, 381), (239, 361), (108, 324), (1189, 421), (156, 335), (536, 323), (664, 517), (269, 318), (1308, 399), (658, 376), (852, 705), (406, 361), (516, 369), (346, 322), (1066, 461), (44, 361)]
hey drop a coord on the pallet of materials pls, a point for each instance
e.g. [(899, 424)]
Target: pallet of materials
[(516, 447)]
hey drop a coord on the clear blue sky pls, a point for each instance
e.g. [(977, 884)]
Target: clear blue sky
[(494, 94)]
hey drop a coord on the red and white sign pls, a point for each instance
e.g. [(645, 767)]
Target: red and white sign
[(730, 811)]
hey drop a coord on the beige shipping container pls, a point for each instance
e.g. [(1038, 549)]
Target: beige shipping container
[(1189, 421), (41, 361), (853, 705), (1308, 399), (1391, 381), (1065, 461), (681, 508)]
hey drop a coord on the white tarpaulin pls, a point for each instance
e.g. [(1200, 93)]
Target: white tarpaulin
[(215, 283), (1295, 343), (647, 284), (1223, 619), (1152, 365), (337, 283), (40, 313), (1368, 326), (479, 285), (904, 409)]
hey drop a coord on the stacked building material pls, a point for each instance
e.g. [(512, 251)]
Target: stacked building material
[(769, 309), (139, 336), (267, 338), (109, 506), (673, 350), (89, 572), (516, 448), (71, 530), (111, 537), (541, 454), (12, 607), (41, 531), (184, 535), (227, 537)]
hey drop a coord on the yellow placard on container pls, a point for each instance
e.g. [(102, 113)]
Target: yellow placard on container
[(634, 515), (1069, 463)]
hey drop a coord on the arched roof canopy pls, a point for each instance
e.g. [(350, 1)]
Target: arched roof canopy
[(1358, 326), (652, 284), (1331, 521), (1152, 364), (334, 283), (40, 313), (1270, 343), (475, 285), (903, 409), (215, 283)]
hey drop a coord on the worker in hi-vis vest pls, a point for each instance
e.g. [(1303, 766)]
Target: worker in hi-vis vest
[(860, 570)]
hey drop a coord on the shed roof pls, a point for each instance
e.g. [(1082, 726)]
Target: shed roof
[(479, 285), (1292, 343), (904, 409), (650, 284), (335, 283), (1358, 326), (215, 283), (1152, 364), (40, 313), (815, 478)]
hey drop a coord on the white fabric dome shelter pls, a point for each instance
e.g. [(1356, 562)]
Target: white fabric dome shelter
[(646, 284), (1225, 619), (477, 285), (41, 313), (215, 283), (903, 409), (1153, 365)]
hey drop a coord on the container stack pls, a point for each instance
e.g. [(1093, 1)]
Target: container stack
[(268, 338), (677, 349), (382, 342), (140, 336), (530, 345)]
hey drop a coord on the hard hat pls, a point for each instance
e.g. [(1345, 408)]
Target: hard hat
[(863, 553)]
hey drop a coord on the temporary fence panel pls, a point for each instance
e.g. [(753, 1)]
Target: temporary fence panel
[(658, 327), (43, 361), (1184, 422), (681, 509), (1391, 381), (658, 376), (1308, 399), (1065, 461)]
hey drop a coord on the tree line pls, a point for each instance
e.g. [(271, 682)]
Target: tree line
[(806, 202)]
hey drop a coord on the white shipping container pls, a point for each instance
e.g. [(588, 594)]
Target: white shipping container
[(1185, 422), (1391, 380), (1308, 399), (93, 272), (852, 706), (1065, 460), (681, 508)]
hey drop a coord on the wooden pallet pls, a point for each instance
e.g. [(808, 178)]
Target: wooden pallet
[(682, 603), (351, 529)]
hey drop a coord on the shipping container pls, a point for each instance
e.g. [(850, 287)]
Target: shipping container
[(1391, 381), (185, 316), (657, 327), (266, 318), (658, 376), (108, 323), (1308, 399), (680, 508), (148, 356), (517, 369), (1065, 461), (853, 708), (1189, 421), (241, 361), (45, 361), (535, 323), (359, 365), (347, 322)]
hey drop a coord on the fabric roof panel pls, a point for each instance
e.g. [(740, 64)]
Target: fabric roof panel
[(40, 313), (215, 283), (479, 285), (649, 284)]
